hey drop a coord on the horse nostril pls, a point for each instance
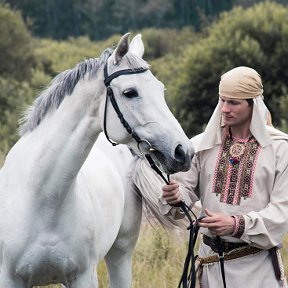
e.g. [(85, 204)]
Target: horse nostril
[(180, 154)]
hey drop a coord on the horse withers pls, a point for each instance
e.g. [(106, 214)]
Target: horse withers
[(66, 202)]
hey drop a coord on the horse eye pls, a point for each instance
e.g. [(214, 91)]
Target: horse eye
[(130, 93)]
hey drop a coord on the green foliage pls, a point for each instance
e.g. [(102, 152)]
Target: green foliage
[(166, 65), (54, 57), (256, 37), (13, 96), (1, 159), (16, 57), (283, 110), (160, 42), (188, 63), (100, 19)]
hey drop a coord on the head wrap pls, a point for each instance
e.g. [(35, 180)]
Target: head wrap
[(240, 83)]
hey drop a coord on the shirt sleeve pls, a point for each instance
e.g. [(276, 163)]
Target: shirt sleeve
[(265, 229)]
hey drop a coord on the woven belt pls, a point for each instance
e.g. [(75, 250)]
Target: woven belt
[(226, 246), (241, 252)]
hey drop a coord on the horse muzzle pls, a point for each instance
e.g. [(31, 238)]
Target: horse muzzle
[(177, 161)]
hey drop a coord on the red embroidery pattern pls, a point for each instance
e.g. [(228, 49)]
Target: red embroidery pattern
[(235, 181), (240, 226)]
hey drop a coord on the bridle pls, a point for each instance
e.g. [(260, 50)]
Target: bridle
[(188, 278), (110, 95)]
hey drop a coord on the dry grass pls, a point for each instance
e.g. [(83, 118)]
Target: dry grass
[(159, 257), (158, 260)]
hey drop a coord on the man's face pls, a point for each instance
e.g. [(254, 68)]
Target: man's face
[(236, 112)]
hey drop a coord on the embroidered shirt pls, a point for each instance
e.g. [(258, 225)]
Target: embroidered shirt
[(233, 178)]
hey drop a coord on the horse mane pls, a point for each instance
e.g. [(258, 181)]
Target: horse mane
[(63, 85), (149, 186)]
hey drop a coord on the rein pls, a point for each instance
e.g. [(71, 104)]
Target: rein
[(188, 278)]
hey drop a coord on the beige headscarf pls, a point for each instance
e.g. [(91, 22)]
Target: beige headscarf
[(240, 83)]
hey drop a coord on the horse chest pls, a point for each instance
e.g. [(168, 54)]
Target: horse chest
[(49, 261)]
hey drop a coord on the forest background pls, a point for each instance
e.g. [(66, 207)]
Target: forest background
[(188, 43)]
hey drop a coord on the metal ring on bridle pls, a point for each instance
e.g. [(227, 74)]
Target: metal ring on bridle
[(145, 150)]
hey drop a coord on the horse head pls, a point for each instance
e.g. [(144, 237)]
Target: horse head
[(139, 115)]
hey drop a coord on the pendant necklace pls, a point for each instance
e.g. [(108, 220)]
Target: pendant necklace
[(237, 149)]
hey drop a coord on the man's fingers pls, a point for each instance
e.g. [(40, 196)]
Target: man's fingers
[(209, 219), (176, 197), (171, 193), (172, 186), (208, 225), (209, 213)]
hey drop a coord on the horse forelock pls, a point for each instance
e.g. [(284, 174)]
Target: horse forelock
[(134, 62)]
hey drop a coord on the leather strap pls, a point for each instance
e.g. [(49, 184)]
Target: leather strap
[(226, 246), (221, 259)]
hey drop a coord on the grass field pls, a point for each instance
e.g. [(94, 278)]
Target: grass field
[(158, 259)]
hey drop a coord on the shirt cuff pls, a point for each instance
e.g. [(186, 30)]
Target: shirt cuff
[(239, 226), (164, 207)]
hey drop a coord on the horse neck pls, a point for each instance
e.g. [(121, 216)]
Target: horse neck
[(58, 147)]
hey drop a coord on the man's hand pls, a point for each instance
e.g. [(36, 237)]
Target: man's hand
[(219, 224), (171, 193)]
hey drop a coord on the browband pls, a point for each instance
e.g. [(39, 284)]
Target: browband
[(108, 79)]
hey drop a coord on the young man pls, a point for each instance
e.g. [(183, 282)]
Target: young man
[(240, 175)]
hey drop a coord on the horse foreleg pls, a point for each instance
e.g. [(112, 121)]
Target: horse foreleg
[(87, 279), (119, 257), (119, 264)]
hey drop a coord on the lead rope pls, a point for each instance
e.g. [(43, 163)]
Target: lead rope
[(188, 277), (221, 259)]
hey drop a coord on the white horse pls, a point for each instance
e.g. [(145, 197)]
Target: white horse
[(66, 204)]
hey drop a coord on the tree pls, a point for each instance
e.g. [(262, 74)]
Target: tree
[(13, 97), (99, 19), (16, 45), (256, 37)]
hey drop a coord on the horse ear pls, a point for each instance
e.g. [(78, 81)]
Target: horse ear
[(137, 46), (121, 49)]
